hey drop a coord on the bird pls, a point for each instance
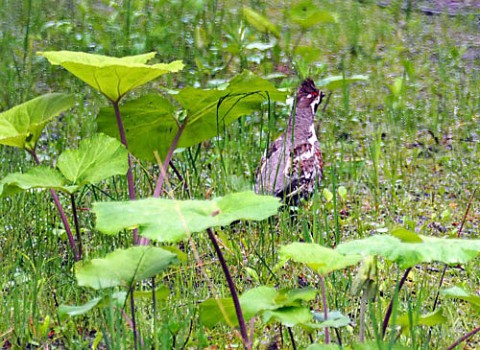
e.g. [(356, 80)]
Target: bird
[(292, 166)]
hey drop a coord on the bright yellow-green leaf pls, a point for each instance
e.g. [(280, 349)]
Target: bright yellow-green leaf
[(408, 254), (306, 14), (320, 259), (169, 220), (430, 319), (112, 76), (123, 267), (22, 125), (260, 22), (338, 81)]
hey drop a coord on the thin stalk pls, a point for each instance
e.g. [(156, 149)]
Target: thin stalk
[(388, 314), (123, 139), (131, 186), (363, 306), (63, 217), (77, 225), (134, 323), (233, 291), (325, 307), (292, 338), (154, 311), (463, 338), (168, 158)]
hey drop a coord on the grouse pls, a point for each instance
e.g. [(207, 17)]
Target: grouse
[(292, 165)]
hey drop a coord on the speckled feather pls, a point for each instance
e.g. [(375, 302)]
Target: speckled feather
[(292, 167)]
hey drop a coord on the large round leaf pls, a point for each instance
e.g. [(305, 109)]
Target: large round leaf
[(22, 125), (36, 177), (408, 253), (123, 267), (96, 159), (169, 220), (112, 76), (320, 259), (151, 125)]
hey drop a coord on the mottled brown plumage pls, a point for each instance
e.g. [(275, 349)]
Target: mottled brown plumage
[(292, 166)]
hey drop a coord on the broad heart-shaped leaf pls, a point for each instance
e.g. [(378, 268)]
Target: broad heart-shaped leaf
[(254, 302), (431, 319), (112, 76), (123, 267), (460, 293), (96, 159), (261, 23), (22, 125), (335, 319), (306, 14), (167, 220), (151, 125), (289, 316), (36, 177), (320, 259), (218, 311), (338, 81), (406, 254)]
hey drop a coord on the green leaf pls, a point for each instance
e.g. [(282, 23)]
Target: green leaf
[(258, 299), (406, 235), (406, 254), (306, 14), (96, 159), (22, 125), (338, 81), (123, 267), (218, 311), (379, 345), (430, 319), (117, 299), (149, 122), (169, 220), (289, 316), (327, 194), (320, 259), (462, 294), (112, 76), (36, 177), (260, 22), (77, 310), (335, 319), (161, 293)]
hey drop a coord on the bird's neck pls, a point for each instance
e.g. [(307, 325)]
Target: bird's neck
[(300, 125)]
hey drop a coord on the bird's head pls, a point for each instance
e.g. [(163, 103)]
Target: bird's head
[(309, 96)]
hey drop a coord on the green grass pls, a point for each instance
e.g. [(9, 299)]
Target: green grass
[(377, 144)]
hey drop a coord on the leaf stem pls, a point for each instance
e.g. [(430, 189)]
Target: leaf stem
[(166, 162), (77, 225), (134, 323), (123, 138), (63, 217), (233, 291), (390, 306), (463, 338), (325, 307)]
